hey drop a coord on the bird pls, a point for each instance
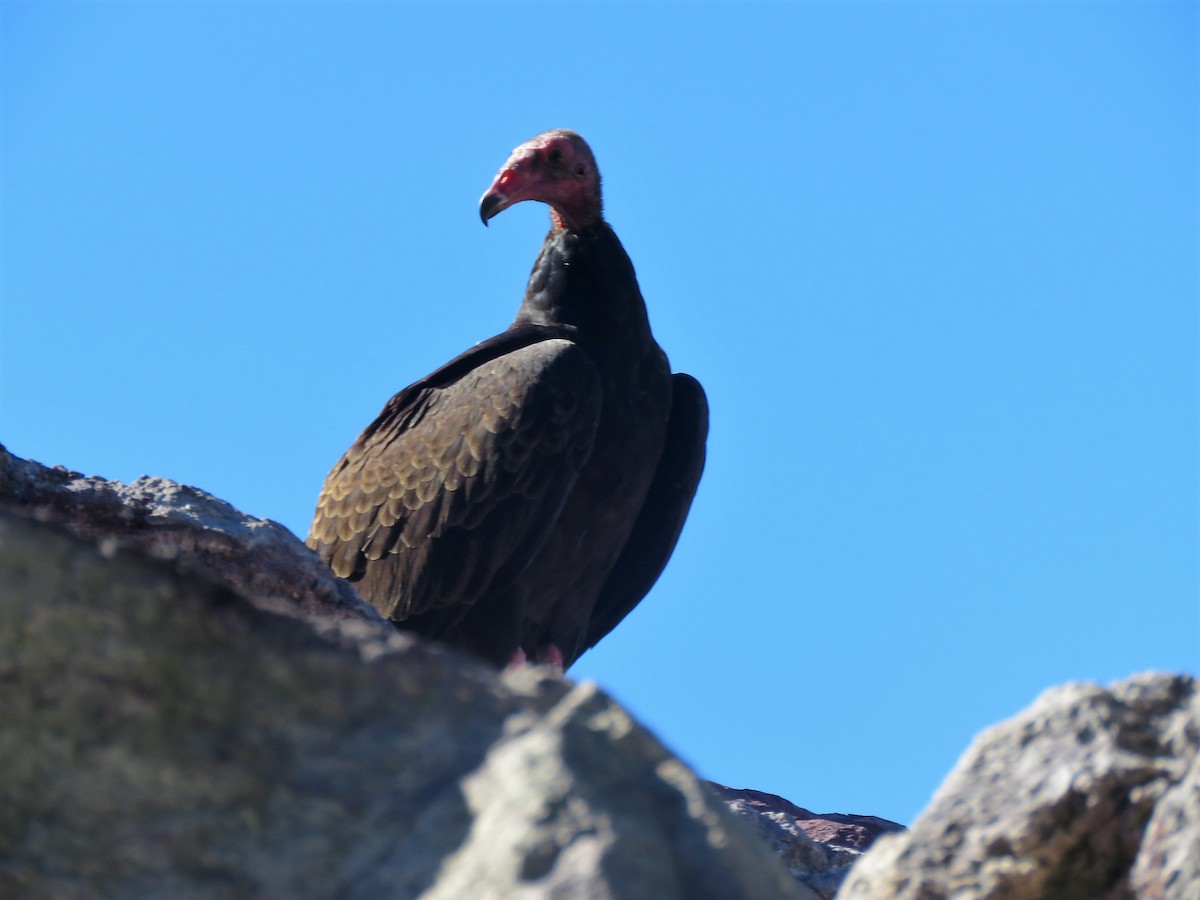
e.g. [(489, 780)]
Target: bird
[(519, 501)]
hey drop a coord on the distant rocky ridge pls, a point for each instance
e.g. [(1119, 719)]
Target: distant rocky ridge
[(193, 706), (818, 849)]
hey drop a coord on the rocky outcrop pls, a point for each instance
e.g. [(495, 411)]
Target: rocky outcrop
[(1091, 794), (193, 707), (1168, 861), (199, 534)]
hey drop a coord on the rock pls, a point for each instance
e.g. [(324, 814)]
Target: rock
[(1091, 794), (194, 708), (818, 849), (204, 536), (1168, 862)]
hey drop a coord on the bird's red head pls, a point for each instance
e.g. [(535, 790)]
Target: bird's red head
[(556, 167)]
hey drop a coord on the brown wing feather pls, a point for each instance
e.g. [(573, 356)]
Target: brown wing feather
[(455, 486), (661, 518)]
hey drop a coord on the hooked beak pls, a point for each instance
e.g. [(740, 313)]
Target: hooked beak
[(490, 204), (512, 185)]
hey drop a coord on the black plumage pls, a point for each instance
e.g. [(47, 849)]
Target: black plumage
[(524, 497)]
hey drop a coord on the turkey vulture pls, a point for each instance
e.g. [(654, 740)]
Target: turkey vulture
[(523, 498)]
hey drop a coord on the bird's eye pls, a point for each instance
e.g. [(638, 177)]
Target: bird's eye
[(580, 170), (555, 156)]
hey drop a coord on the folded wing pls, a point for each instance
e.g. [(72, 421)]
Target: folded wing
[(452, 489)]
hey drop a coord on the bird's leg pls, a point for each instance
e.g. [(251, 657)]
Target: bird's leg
[(551, 656), (518, 659)]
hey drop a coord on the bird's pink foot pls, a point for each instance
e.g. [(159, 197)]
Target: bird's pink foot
[(551, 656), (517, 660)]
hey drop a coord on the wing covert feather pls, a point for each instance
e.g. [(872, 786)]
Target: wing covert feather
[(455, 484)]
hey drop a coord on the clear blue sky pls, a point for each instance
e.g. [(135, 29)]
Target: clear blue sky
[(935, 264)]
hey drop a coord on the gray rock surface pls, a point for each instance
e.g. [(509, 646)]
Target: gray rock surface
[(193, 708), (199, 533), (1168, 862), (1056, 802)]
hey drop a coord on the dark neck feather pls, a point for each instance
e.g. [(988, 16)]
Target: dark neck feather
[(584, 279)]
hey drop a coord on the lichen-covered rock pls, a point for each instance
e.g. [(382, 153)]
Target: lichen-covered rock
[(179, 722), (1055, 804)]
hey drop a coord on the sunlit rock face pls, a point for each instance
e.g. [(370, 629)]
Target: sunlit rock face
[(194, 706), (1090, 793)]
